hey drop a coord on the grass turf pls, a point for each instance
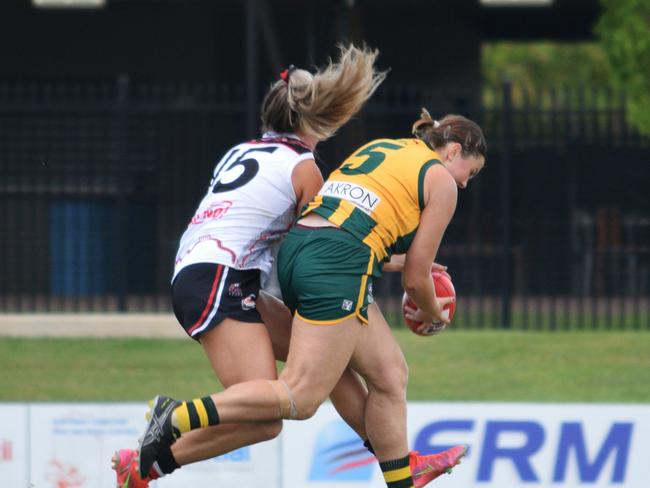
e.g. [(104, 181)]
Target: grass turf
[(452, 366)]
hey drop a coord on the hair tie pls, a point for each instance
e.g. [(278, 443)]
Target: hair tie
[(285, 74), (436, 124)]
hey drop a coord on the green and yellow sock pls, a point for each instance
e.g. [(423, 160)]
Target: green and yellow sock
[(195, 414), (397, 473)]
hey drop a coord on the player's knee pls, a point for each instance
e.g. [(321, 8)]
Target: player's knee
[(304, 393), (307, 399), (295, 399), (392, 379), (307, 409), (397, 379), (402, 373)]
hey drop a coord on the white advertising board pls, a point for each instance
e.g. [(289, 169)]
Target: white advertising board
[(250, 466), (513, 445), (13, 445), (510, 444), (71, 446)]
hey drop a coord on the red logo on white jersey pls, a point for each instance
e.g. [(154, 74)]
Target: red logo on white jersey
[(215, 211)]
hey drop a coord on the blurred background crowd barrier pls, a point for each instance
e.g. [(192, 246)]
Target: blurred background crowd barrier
[(98, 179)]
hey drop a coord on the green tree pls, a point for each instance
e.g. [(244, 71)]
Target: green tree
[(624, 30), (535, 67)]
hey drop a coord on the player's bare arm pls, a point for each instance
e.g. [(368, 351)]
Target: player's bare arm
[(307, 181), (441, 194)]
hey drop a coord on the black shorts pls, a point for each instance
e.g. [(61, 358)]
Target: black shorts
[(204, 294)]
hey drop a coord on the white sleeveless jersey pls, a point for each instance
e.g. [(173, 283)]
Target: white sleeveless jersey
[(249, 206)]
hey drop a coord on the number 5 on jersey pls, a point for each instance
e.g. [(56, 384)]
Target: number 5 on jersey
[(230, 175)]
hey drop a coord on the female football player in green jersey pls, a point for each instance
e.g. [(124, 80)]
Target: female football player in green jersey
[(391, 196)]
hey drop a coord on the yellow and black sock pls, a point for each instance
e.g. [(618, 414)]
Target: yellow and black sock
[(397, 473), (195, 414)]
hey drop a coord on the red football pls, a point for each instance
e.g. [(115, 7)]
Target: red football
[(444, 288)]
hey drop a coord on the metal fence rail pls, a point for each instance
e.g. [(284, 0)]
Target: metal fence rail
[(98, 180)]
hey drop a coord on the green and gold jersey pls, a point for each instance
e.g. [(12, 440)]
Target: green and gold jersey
[(377, 194)]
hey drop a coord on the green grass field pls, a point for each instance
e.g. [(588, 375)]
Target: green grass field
[(453, 366)]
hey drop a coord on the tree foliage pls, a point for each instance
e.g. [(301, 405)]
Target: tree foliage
[(624, 30), (534, 67)]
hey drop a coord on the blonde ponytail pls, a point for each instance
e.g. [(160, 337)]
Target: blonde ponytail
[(319, 104)]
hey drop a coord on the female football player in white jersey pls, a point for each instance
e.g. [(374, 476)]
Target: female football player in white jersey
[(225, 255)]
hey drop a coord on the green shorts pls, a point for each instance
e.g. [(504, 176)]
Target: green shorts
[(326, 274)]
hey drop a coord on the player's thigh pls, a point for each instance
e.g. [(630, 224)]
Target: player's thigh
[(318, 355), (377, 356), (277, 318), (239, 351), (216, 305)]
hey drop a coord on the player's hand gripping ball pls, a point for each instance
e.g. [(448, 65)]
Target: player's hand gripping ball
[(444, 288)]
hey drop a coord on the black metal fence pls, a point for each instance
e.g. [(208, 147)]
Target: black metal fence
[(98, 180)]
